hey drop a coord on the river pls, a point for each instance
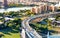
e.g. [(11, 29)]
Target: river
[(14, 9)]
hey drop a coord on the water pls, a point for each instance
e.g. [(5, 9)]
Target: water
[(14, 9), (54, 36)]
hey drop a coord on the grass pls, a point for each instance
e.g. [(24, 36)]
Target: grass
[(13, 35), (10, 33)]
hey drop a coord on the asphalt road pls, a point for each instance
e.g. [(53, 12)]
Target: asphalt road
[(30, 31)]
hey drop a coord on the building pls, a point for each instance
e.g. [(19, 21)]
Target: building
[(10, 1), (28, 1), (13, 1), (1, 4), (53, 0), (57, 6), (40, 9), (51, 8), (44, 7), (34, 10), (5, 3), (50, 0)]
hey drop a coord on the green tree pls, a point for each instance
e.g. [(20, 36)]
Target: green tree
[(14, 23)]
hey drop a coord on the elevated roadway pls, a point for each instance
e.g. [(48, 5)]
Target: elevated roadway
[(30, 31)]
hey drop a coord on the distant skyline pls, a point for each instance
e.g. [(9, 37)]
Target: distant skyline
[(27, 1), (30, 0)]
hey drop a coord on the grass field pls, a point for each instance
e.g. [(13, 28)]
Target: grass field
[(13, 35), (9, 33)]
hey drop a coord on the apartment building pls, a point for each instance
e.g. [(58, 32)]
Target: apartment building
[(40, 8), (43, 8)]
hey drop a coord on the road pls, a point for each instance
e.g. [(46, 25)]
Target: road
[(30, 31)]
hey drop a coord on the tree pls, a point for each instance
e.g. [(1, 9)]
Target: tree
[(14, 23), (28, 12)]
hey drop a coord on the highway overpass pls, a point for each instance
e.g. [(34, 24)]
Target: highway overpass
[(30, 31)]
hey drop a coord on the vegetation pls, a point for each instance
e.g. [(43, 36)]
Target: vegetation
[(16, 5), (43, 26), (20, 5), (9, 33), (0, 7), (20, 13), (15, 24), (57, 17), (11, 13), (10, 28), (29, 13)]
